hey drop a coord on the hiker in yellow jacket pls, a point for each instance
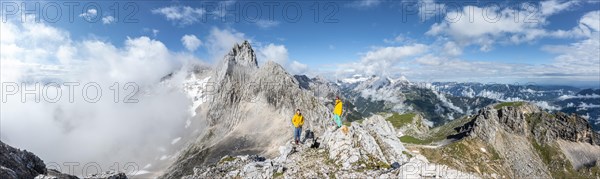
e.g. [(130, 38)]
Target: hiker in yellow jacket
[(337, 111), (298, 121)]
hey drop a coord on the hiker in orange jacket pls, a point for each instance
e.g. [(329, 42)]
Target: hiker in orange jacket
[(337, 111), (298, 121)]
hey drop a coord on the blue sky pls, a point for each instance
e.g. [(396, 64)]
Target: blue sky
[(390, 38)]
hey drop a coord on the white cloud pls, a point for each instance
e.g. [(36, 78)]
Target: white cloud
[(265, 24), (397, 39), (590, 96), (578, 58), (574, 63), (551, 7), (485, 26), (90, 15), (182, 15), (590, 23), (366, 3), (297, 68), (452, 49), (279, 54), (546, 106), (155, 32), (104, 132), (381, 60), (272, 52), (393, 53), (220, 41), (108, 20), (149, 31), (191, 42)]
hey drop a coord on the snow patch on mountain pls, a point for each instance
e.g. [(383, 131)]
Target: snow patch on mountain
[(196, 90), (446, 102), (380, 95), (354, 79), (468, 92)]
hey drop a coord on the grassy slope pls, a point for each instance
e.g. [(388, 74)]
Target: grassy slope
[(467, 155), (513, 104), (436, 134), (399, 120)]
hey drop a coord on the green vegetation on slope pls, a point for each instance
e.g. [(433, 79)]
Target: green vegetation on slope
[(513, 104), (399, 120), (471, 155), (277, 175), (438, 133), (557, 163), (227, 159), (413, 140), (349, 123)]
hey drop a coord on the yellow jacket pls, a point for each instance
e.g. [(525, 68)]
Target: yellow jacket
[(298, 120), (338, 107)]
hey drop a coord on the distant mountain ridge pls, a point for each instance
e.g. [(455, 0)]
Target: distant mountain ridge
[(442, 102)]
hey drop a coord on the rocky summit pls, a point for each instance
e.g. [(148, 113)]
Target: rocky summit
[(18, 164), (369, 149)]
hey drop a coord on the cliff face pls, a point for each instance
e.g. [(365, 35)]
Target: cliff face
[(533, 143), (15, 163), (572, 128), (18, 164), (529, 121)]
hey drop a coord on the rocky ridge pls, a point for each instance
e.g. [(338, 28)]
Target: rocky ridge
[(17, 164), (524, 141), (367, 150)]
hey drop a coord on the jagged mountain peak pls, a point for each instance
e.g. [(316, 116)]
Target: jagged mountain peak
[(242, 54), (240, 61), (250, 108), (374, 81), (402, 78), (320, 78)]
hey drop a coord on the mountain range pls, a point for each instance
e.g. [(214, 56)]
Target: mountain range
[(393, 128)]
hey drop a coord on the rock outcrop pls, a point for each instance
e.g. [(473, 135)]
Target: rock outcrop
[(531, 141), (368, 150), (376, 139), (319, 86), (17, 164), (528, 120)]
